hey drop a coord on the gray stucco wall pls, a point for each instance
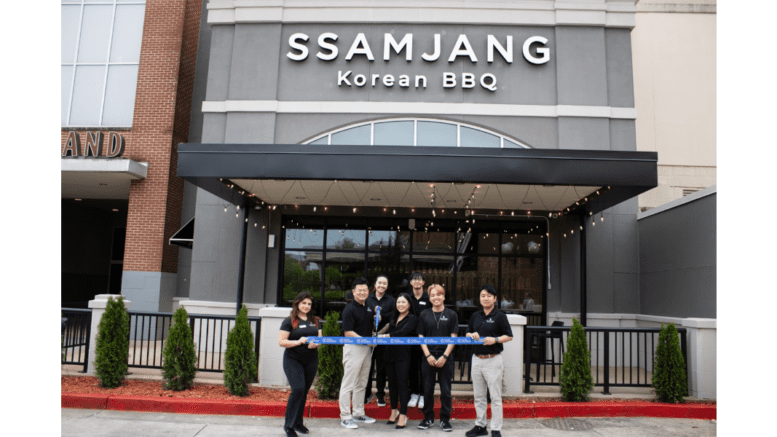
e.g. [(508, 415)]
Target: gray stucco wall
[(677, 249)]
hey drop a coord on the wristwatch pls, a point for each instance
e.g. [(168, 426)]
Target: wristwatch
[(446, 357)]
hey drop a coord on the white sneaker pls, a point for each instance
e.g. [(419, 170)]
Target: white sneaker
[(421, 403), (413, 401), (363, 419), (349, 424)]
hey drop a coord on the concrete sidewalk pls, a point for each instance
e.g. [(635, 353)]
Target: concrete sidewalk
[(93, 423)]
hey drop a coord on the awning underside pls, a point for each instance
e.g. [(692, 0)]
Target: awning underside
[(389, 176)]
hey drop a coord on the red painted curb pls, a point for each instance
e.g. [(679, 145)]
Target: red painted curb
[(323, 410), (85, 400)]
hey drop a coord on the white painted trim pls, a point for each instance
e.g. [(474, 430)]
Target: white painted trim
[(678, 321), (133, 169), (712, 189), (417, 108), (494, 12)]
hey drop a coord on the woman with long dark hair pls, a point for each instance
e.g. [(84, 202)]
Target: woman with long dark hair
[(300, 359), (403, 324)]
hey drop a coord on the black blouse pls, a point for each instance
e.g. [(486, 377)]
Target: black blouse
[(405, 328), (305, 328)]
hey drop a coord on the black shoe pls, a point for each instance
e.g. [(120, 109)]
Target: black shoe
[(426, 423), (381, 401), (291, 433), (301, 429), (477, 431), (446, 426), (496, 434)]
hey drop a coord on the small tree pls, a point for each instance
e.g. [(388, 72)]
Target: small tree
[(179, 359), (112, 348), (669, 378), (330, 361), (576, 379), (240, 365)]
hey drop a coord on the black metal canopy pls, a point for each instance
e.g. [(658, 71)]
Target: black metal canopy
[(627, 174)]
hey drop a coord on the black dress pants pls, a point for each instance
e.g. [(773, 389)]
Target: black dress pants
[(445, 376), (397, 379), (300, 375), (380, 376), (416, 378)]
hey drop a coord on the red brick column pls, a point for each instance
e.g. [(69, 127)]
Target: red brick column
[(161, 121)]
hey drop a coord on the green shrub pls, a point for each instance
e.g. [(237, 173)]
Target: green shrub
[(576, 379), (330, 361), (240, 365), (334, 295), (669, 378), (112, 348), (179, 361)]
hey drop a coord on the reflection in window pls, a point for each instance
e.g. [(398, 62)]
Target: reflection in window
[(436, 134), (416, 132), (100, 54), (346, 239)]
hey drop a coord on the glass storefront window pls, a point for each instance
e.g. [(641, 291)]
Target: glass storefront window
[(323, 255)]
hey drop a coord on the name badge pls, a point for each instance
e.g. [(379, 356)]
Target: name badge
[(303, 326), (422, 303)]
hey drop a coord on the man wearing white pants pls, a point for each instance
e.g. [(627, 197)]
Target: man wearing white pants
[(490, 325), (358, 320)]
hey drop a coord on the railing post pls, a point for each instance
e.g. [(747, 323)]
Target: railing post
[(88, 324), (606, 390), (98, 305), (527, 361)]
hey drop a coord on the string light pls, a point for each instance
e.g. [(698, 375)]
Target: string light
[(314, 209), (254, 224)]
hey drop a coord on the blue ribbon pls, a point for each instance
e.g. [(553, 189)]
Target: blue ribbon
[(394, 341)]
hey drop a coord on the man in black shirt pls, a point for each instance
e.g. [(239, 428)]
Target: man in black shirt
[(387, 304), (490, 325), (419, 300), (358, 321), (437, 321)]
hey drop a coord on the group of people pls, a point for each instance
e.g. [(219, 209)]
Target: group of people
[(411, 371)]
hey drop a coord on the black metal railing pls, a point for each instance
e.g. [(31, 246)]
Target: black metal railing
[(149, 330), (462, 360), (620, 357), (77, 327)]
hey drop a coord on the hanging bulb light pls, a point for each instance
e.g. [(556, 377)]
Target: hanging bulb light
[(314, 209), (246, 219), (254, 224), (394, 211), (237, 215), (593, 222), (225, 209), (581, 228), (354, 210), (237, 207), (572, 231)]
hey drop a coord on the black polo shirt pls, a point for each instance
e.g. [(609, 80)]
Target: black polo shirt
[(358, 318), (494, 324), (305, 328), (442, 324), (419, 305), (387, 304)]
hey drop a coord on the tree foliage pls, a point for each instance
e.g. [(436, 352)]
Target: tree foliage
[(112, 348), (669, 373), (330, 361), (179, 362), (240, 367), (576, 379)]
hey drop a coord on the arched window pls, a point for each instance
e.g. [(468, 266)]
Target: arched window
[(417, 132)]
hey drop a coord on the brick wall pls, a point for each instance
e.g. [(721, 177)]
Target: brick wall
[(161, 121)]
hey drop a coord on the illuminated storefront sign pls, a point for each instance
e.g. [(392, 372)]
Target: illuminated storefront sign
[(328, 51)]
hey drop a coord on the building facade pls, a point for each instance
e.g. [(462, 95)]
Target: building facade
[(475, 142)]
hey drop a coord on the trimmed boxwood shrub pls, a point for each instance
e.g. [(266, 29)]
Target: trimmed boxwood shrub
[(330, 361), (669, 378), (576, 379), (179, 360), (240, 367), (112, 348)]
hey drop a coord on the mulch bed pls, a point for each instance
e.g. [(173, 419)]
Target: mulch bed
[(90, 384)]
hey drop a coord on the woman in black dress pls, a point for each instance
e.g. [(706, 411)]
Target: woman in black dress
[(300, 359), (403, 324)]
